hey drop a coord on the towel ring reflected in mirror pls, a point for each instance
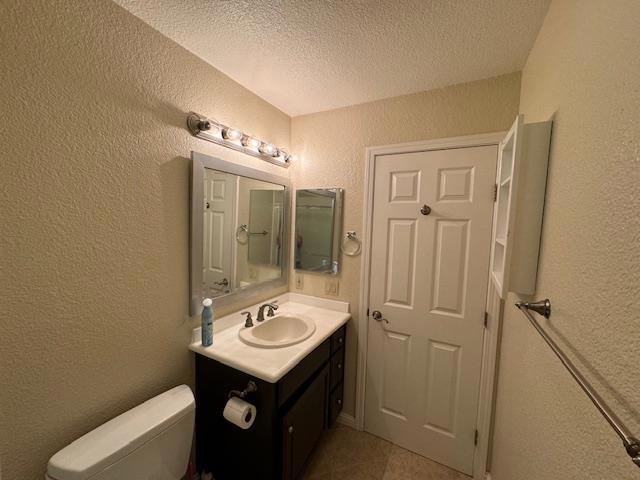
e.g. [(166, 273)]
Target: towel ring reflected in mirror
[(242, 234), (351, 238), (244, 229)]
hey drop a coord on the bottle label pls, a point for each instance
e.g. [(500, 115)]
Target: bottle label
[(207, 333)]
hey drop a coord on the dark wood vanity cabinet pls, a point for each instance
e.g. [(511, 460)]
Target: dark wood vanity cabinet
[(291, 415)]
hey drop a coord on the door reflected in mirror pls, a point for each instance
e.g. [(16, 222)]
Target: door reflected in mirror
[(242, 232), (318, 230)]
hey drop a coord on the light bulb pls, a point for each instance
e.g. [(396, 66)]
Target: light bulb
[(268, 149), (283, 156), (251, 142), (231, 134)]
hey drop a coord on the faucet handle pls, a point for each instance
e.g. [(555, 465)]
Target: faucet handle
[(248, 322), (272, 306)]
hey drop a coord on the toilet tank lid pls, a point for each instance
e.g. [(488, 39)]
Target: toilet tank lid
[(95, 451)]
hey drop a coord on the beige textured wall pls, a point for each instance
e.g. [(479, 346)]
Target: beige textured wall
[(331, 146), (94, 208), (584, 69)]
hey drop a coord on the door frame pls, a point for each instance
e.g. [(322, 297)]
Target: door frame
[(490, 344)]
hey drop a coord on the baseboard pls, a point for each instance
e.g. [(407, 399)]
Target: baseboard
[(346, 419)]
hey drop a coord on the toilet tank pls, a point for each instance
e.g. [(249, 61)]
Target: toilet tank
[(150, 441)]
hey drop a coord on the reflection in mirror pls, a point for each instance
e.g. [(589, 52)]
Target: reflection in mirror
[(318, 230), (239, 229), (242, 234), (265, 223)]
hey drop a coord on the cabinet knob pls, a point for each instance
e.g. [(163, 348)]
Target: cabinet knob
[(339, 366), (290, 429), (339, 401), (340, 340)]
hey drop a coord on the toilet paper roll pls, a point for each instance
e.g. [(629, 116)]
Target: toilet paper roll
[(239, 412)]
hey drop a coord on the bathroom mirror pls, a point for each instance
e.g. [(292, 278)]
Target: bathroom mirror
[(239, 234), (318, 230)]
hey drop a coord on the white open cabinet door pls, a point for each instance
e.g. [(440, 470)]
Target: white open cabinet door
[(505, 205), (517, 221)]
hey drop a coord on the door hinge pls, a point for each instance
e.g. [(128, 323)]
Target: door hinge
[(475, 437), (367, 312), (495, 192), (486, 319)]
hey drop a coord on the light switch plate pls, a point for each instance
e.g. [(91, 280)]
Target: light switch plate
[(299, 281), (331, 287)]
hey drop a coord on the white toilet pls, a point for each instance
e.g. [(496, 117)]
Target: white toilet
[(149, 442)]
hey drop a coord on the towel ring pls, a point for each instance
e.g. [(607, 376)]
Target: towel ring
[(245, 228), (242, 229), (351, 236)]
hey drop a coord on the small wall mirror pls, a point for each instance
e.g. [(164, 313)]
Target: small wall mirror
[(318, 230), (239, 234)]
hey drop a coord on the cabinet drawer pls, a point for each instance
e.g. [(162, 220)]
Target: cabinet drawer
[(335, 404), (302, 372), (337, 368), (338, 339)]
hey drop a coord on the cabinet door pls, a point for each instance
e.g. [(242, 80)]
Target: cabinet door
[(505, 206), (302, 426)]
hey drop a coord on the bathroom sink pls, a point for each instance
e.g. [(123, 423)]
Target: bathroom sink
[(279, 331)]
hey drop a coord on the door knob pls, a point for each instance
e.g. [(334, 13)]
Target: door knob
[(223, 283), (425, 210), (377, 316)]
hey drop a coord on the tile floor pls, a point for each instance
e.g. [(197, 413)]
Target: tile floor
[(345, 453)]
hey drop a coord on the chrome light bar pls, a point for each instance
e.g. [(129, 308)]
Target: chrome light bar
[(213, 131)]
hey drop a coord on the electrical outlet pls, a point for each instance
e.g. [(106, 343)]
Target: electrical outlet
[(331, 287), (299, 281)]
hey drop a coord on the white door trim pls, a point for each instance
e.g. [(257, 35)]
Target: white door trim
[(490, 347)]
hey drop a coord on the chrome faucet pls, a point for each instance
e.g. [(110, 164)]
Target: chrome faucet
[(271, 306)]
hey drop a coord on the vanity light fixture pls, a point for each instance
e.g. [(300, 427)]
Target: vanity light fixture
[(215, 132)]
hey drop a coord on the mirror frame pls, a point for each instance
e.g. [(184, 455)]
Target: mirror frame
[(336, 251), (200, 161)]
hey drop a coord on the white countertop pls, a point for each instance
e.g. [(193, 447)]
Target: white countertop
[(271, 364)]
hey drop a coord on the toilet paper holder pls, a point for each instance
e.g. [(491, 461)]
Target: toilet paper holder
[(251, 388)]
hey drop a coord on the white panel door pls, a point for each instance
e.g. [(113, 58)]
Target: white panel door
[(219, 201), (429, 280)]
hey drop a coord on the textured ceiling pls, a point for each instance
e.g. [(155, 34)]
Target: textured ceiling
[(305, 56)]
